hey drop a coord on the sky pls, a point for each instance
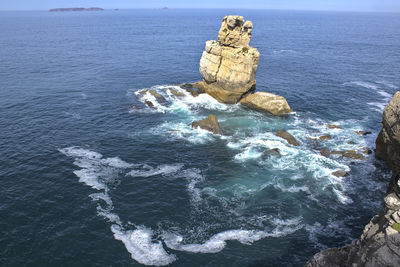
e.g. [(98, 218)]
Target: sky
[(334, 5)]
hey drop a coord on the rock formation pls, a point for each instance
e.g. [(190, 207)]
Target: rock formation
[(288, 137), (229, 66), (379, 244), (210, 124), (266, 102)]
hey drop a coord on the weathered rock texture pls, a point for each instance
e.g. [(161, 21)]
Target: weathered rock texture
[(267, 102), (210, 124), (379, 244), (229, 66)]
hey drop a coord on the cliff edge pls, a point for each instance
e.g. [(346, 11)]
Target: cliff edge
[(379, 244)]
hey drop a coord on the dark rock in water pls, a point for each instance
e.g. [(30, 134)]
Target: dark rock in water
[(340, 173), (288, 137), (186, 85), (160, 99), (363, 133), (194, 89), (367, 151), (136, 107), (347, 154), (333, 126), (210, 124), (325, 152), (325, 137), (274, 152), (149, 104), (351, 142), (352, 155), (175, 92)]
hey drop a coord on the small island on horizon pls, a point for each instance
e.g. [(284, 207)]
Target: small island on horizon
[(76, 9)]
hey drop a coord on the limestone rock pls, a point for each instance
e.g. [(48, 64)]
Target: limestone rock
[(267, 102), (235, 31), (210, 124), (388, 141), (288, 137), (229, 66)]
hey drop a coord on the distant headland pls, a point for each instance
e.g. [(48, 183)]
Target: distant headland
[(76, 9)]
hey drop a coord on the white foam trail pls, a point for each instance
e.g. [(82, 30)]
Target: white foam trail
[(96, 172), (218, 241), (142, 248)]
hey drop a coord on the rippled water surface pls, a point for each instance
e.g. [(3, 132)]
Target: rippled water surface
[(88, 178)]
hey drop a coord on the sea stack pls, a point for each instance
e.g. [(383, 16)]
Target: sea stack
[(380, 241), (229, 65)]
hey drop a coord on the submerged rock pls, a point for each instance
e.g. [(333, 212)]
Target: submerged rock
[(266, 102), (379, 244), (340, 173), (325, 137), (288, 137), (274, 152), (362, 133), (210, 124), (347, 154), (194, 89), (333, 126), (157, 96), (352, 154), (149, 104), (175, 92)]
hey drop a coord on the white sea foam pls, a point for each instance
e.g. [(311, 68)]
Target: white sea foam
[(218, 241), (147, 171), (94, 173), (141, 246), (186, 103)]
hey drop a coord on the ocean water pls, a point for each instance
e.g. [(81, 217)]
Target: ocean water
[(88, 179)]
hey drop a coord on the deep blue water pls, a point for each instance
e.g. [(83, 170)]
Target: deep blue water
[(88, 180)]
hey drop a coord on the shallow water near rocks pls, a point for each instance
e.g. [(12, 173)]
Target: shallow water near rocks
[(88, 179)]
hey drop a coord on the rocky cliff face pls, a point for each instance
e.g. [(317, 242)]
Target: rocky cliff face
[(229, 66), (379, 244)]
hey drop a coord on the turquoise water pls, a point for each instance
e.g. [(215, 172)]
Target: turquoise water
[(88, 179)]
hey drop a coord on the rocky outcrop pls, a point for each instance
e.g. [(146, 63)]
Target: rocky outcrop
[(229, 66), (388, 141), (267, 102), (288, 137), (210, 124), (379, 244)]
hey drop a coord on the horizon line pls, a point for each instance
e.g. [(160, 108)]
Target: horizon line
[(214, 8)]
